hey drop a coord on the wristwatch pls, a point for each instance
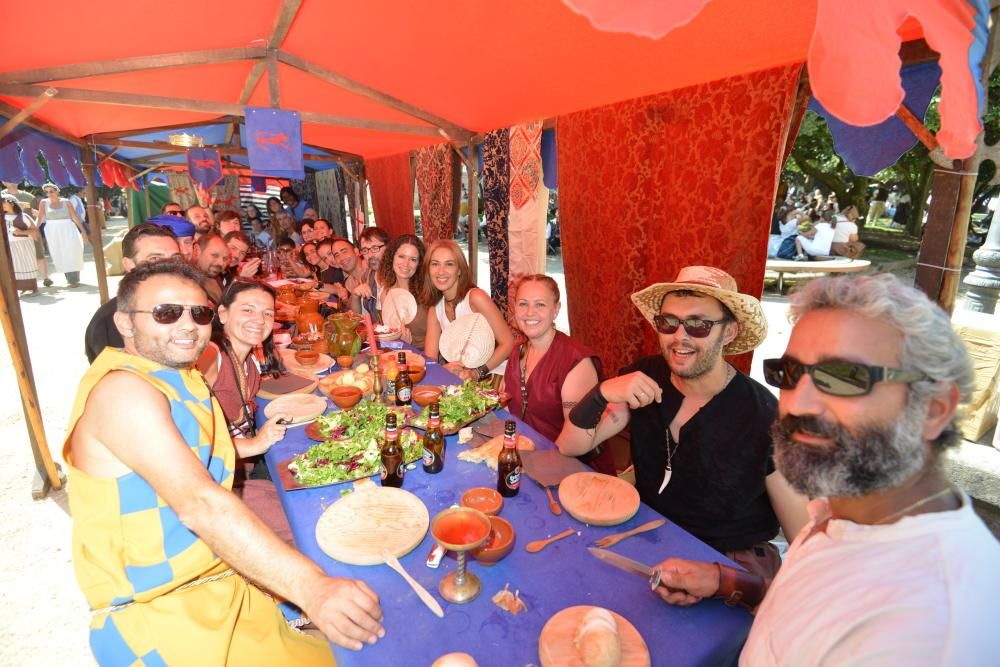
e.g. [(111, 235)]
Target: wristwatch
[(484, 370)]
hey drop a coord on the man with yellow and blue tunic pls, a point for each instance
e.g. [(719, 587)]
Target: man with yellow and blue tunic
[(163, 551)]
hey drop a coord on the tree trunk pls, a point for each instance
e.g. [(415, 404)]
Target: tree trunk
[(918, 202)]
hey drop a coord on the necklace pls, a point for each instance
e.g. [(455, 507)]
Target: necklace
[(909, 508), (668, 471)]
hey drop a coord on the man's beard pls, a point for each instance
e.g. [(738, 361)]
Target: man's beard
[(869, 458), (705, 360)]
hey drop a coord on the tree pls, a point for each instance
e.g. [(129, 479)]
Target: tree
[(813, 155)]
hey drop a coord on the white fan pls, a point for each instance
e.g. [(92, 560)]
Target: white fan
[(398, 308), (469, 340)]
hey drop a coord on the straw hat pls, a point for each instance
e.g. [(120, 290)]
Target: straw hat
[(398, 307), (469, 340), (720, 285)]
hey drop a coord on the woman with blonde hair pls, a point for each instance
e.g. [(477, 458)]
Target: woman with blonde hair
[(448, 294), (64, 232), (549, 372)]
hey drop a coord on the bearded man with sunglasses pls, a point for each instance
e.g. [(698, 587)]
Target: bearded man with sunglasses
[(700, 438), (163, 551), (894, 566)]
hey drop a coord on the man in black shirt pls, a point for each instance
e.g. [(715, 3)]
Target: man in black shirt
[(700, 436), (143, 243)]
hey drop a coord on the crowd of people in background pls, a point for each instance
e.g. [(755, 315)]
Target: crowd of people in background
[(813, 226)]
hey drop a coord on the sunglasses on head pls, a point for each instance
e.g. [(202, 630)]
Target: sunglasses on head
[(168, 313), (836, 378), (695, 327)]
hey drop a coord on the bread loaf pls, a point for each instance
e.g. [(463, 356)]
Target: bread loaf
[(597, 639)]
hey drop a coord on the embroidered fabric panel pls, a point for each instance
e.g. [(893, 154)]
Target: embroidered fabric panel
[(650, 185), (496, 198), (435, 168)]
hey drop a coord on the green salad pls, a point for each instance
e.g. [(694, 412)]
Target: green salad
[(364, 421), (333, 462), (461, 404)]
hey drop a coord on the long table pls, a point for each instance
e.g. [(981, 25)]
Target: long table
[(562, 575)]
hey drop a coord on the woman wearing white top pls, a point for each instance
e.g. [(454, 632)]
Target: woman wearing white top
[(845, 235), (64, 232), (450, 293)]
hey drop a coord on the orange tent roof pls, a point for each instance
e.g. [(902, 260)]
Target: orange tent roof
[(479, 64)]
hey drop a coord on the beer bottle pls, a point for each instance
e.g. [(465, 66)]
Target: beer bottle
[(393, 465), (433, 458), (509, 462), (404, 383)]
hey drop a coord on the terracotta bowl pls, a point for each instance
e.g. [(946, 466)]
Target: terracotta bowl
[(424, 395), (345, 361), (498, 544), (417, 373), (306, 357), (484, 499), (345, 396)]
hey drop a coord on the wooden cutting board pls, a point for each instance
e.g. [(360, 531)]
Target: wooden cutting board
[(556, 646), (597, 499), (358, 527), (301, 408)]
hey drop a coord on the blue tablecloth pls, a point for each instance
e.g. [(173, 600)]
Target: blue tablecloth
[(562, 575)]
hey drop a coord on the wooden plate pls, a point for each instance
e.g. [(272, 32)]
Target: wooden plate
[(301, 408), (556, 646), (597, 499), (358, 527), (292, 383)]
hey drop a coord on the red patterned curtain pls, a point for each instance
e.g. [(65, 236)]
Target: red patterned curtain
[(650, 185), (435, 167), (391, 184)]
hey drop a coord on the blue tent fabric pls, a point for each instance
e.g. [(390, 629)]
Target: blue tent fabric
[(19, 152), (869, 150), (550, 173)]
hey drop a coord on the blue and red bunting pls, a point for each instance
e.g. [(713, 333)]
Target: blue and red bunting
[(258, 183), (204, 166), (869, 150), (274, 142)]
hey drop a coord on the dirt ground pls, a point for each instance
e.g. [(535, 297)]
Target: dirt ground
[(46, 616)]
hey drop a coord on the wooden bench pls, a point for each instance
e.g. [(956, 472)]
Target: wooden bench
[(834, 265)]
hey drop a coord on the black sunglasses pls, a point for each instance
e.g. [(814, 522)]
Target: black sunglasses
[(179, 214), (836, 378), (695, 327), (168, 313)]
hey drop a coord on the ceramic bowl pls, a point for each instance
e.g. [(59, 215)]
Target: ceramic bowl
[(424, 395), (345, 361), (307, 357), (498, 544), (484, 499), (345, 396)]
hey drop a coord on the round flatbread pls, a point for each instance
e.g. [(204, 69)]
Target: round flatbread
[(468, 340), (300, 408), (398, 307)]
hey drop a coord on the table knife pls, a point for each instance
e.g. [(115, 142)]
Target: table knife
[(652, 575)]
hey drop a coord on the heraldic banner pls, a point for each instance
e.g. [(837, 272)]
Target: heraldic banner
[(204, 166), (274, 142)]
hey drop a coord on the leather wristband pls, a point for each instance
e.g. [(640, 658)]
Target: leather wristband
[(587, 413), (741, 588), (483, 371)]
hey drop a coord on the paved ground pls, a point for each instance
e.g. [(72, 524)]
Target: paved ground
[(46, 618)]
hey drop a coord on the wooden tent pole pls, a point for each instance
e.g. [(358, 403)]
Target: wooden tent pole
[(27, 111), (471, 167), (48, 474), (93, 214)]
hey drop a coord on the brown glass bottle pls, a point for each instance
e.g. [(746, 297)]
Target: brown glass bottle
[(393, 465), (404, 383), (433, 458), (509, 462)]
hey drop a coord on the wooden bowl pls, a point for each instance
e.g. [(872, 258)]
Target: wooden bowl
[(426, 394), (307, 357), (484, 499), (345, 396), (345, 360), (498, 544)]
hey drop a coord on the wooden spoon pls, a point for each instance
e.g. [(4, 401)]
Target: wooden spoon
[(538, 545), (421, 592)]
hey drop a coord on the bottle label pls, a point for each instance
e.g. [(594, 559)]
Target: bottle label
[(402, 469), (403, 395), (510, 441), (434, 422), (513, 479), (428, 457), (390, 387), (381, 471)]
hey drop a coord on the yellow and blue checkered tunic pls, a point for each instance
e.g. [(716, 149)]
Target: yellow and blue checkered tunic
[(129, 545)]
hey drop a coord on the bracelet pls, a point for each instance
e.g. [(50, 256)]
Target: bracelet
[(741, 588), (587, 413), (484, 371)]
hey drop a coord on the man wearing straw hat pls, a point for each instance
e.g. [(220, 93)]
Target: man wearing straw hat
[(700, 438)]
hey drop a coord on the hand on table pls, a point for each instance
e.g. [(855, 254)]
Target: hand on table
[(637, 389), (339, 290), (347, 611), (362, 291), (461, 371), (699, 580)]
